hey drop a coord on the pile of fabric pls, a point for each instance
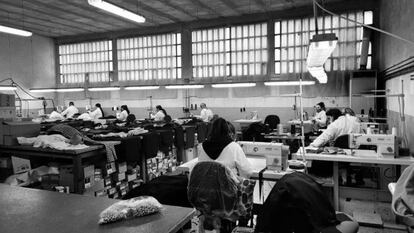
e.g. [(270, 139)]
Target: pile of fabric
[(54, 141)]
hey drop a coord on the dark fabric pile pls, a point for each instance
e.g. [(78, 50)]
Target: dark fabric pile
[(254, 132), (168, 190), (296, 204), (70, 132)]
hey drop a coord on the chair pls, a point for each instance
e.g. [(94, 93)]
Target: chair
[(297, 203), (214, 190)]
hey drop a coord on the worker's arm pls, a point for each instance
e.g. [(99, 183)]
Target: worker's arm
[(242, 163), (326, 136)]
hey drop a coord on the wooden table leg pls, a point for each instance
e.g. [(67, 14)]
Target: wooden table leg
[(336, 185), (77, 175)]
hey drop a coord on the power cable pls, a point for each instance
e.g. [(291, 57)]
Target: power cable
[(362, 24)]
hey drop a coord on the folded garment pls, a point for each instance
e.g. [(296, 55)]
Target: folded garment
[(120, 134), (134, 207)]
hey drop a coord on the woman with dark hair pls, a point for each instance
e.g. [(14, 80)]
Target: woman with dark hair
[(97, 113), (220, 147), (320, 117), (122, 116), (159, 114)]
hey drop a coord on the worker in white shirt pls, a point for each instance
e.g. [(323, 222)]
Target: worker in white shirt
[(70, 111), (206, 114), (220, 147), (345, 124), (122, 116), (320, 117), (159, 114), (97, 113)]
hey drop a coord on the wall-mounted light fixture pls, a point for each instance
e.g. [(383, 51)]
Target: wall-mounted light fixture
[(288, 83), (229, 85), (142, 87), (7, 88), (184, 86), (104, 88)]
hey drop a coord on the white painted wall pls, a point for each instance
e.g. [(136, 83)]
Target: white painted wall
[(30, 62)]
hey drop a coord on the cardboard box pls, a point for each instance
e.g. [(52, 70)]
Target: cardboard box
[(131, 177), (89, 171), (20, 165), (101, 193), (5, 162), (135, 183), (107, 181), (109, 168), (122, 167), (118, 176)]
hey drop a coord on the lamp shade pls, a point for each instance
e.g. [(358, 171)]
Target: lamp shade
[(320, 48), (318, 73)]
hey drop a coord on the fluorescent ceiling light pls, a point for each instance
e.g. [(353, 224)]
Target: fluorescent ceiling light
[(116, 10), (69, 89), (318, 73), (43, 90), (184, 86), (142, 88), (227, 85), (15, 31), (8, 88), (320, 48), (289, 83), (104, 89)]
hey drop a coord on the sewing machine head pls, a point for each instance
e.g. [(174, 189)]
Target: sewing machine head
[(386, 143), (276, 154)]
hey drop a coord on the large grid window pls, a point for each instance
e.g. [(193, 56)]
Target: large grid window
[(292, 40), (230, 51), (91, 59), (149, 57)]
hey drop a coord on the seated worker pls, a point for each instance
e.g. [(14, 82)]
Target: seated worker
[(97, 113), (344, 124), (221, 148), (320, 117), (206, 114), (70, 110), (160, 113), (122, 116)]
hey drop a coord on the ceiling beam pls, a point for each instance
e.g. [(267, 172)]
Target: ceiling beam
[(262, 4), (200, 4), (105, 14), (180, 9), (232, 6), (30, 18), (142, 6), (55, 17), (66, 11)]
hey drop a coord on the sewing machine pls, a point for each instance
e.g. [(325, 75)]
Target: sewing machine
[(386, 143), (276, 154)]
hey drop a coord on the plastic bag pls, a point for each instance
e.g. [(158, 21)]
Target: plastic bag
[(134, 207)]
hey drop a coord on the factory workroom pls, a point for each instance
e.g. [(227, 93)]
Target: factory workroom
[(207, 116)]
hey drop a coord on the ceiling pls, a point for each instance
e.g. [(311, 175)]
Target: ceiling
[(60, 18)]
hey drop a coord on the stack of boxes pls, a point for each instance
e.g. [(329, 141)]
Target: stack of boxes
[(161, 164), (117, 180)]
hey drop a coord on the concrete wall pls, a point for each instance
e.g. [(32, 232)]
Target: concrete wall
[(30, 62), (396, 17)]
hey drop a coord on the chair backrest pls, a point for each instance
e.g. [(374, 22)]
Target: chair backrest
[(212, 188), (272, 121)]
